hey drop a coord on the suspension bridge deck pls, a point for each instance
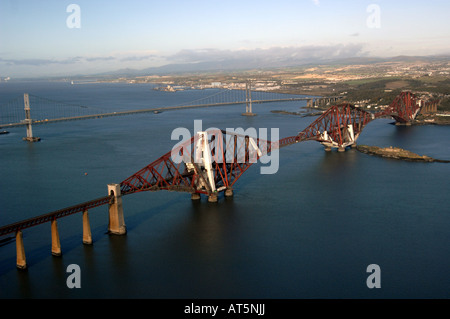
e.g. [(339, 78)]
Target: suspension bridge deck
[(147, 110)]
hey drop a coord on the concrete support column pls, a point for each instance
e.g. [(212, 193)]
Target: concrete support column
[(21, 261), (229, 192), (212, 198), (327, 149), (56, 245), (87, 237), (341, 149), (116, 221), (195, 196)]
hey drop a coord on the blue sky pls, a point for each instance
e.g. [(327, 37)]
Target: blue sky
[(36, 40)]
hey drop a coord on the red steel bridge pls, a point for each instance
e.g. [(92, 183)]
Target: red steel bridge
[(211, 162)]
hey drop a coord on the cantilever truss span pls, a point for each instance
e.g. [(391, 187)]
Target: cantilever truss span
[(403, 109), (209, 162), (339, 127), (213, 161)]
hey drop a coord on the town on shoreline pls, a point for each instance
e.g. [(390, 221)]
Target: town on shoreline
[(367, 84)]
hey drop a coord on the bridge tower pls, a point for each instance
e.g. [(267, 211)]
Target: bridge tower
[(403, 109), (338, 127), (28, 120), (248, 99)]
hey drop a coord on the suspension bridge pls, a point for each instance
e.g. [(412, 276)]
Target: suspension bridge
[(211, 162), (32, 110)]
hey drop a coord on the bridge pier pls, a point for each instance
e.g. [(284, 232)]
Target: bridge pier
[(195, 196), (212, 198), (116, 223), (228, 192), (21, 261), (341, 149), (87, 237), (56, 244), (403, 123)]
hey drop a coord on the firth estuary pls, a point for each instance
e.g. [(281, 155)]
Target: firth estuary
[(310, 230)]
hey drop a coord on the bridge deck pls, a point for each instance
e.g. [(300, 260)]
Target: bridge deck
[(12, 228), (149, 110)]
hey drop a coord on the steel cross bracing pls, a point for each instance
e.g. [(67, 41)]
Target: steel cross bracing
[(339, 126), (403, 109), (209, 162)]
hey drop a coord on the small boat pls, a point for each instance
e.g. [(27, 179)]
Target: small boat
[(4, 132)]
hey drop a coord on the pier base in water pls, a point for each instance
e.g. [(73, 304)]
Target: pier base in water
[(212, 198), (229, 192), (32, 139), (195, 196)]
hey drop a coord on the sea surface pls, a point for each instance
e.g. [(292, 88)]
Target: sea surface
[(308, 231)]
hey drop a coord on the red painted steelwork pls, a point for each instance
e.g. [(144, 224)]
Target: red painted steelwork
[(335, 122), (232, 154), (403, 109)]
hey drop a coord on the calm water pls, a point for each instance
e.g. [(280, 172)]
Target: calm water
[(308, 231)]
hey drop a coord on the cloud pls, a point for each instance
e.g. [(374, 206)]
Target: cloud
[(190, 60), (77, 59), (138, 58), (100, 58), (316, 2), (275, 56), (39, 62)]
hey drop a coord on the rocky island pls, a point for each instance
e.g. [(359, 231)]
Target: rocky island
[(396, 153)]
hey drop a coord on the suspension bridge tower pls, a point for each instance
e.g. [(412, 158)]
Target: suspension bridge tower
[(248, 100), (29, 121)]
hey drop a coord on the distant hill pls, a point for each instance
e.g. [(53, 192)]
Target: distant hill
[(261, 63)]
